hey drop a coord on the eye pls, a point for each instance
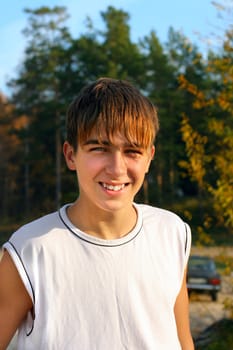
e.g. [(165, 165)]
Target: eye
[(98, 149), (134, 151)]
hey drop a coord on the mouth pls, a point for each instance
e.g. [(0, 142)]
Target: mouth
[(114, 188)]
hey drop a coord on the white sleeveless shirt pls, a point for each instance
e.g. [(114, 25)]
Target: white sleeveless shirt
[(95, 294)]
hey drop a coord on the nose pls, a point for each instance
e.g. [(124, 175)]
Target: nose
[(116, 165)]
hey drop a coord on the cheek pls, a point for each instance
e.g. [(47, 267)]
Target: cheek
[(139, 169), (89, 166)]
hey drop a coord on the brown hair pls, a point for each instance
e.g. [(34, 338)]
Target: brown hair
[(112, 106)]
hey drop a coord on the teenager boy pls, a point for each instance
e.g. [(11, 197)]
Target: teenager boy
[(103, 272)]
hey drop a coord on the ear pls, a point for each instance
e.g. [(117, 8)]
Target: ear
[(152, 152), (69, 154), (150, 157)]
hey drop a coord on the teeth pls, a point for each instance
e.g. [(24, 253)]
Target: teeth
[(113, 188)]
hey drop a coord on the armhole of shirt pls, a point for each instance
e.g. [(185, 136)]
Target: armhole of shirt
[(186, 238), (10, 248), (187, 246)]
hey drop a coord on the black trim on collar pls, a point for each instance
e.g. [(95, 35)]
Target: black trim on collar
[(98, 243)]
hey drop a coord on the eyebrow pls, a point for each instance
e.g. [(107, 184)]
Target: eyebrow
[(96, 142), (107, 143)]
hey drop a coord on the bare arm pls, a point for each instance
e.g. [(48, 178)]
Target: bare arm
[(15, 301), (182, 317)]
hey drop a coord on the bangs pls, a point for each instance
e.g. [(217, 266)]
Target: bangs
[(133, 120)]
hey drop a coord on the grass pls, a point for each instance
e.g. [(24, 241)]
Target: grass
[(218, 336)]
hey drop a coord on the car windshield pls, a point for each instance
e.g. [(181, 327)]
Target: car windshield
[(201, 263)]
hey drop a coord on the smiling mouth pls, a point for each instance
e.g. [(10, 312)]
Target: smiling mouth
[(114, 188)]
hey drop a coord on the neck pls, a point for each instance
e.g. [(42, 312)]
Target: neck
[(103, 224)]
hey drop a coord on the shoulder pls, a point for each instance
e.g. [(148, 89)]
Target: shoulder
[(166, 228), (36, 229), (159, 215), (163, 223)]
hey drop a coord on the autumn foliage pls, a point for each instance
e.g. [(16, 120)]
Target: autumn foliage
[(210, 149)]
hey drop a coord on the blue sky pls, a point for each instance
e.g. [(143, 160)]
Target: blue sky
[(196, 19)]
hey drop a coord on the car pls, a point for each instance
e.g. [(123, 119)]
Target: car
[(202, 276)]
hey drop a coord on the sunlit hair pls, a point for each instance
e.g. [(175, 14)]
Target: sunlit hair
[(110, 106)]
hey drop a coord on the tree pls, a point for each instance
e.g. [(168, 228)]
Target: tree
[(56, 66), (40, 93), (10, 166), (123, 57), (215, 150), (108, 52), (163, 65)]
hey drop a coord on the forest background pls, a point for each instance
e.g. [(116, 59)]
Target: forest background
[(192, 173)]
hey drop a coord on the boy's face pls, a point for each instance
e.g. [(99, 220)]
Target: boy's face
[(109, 174)]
